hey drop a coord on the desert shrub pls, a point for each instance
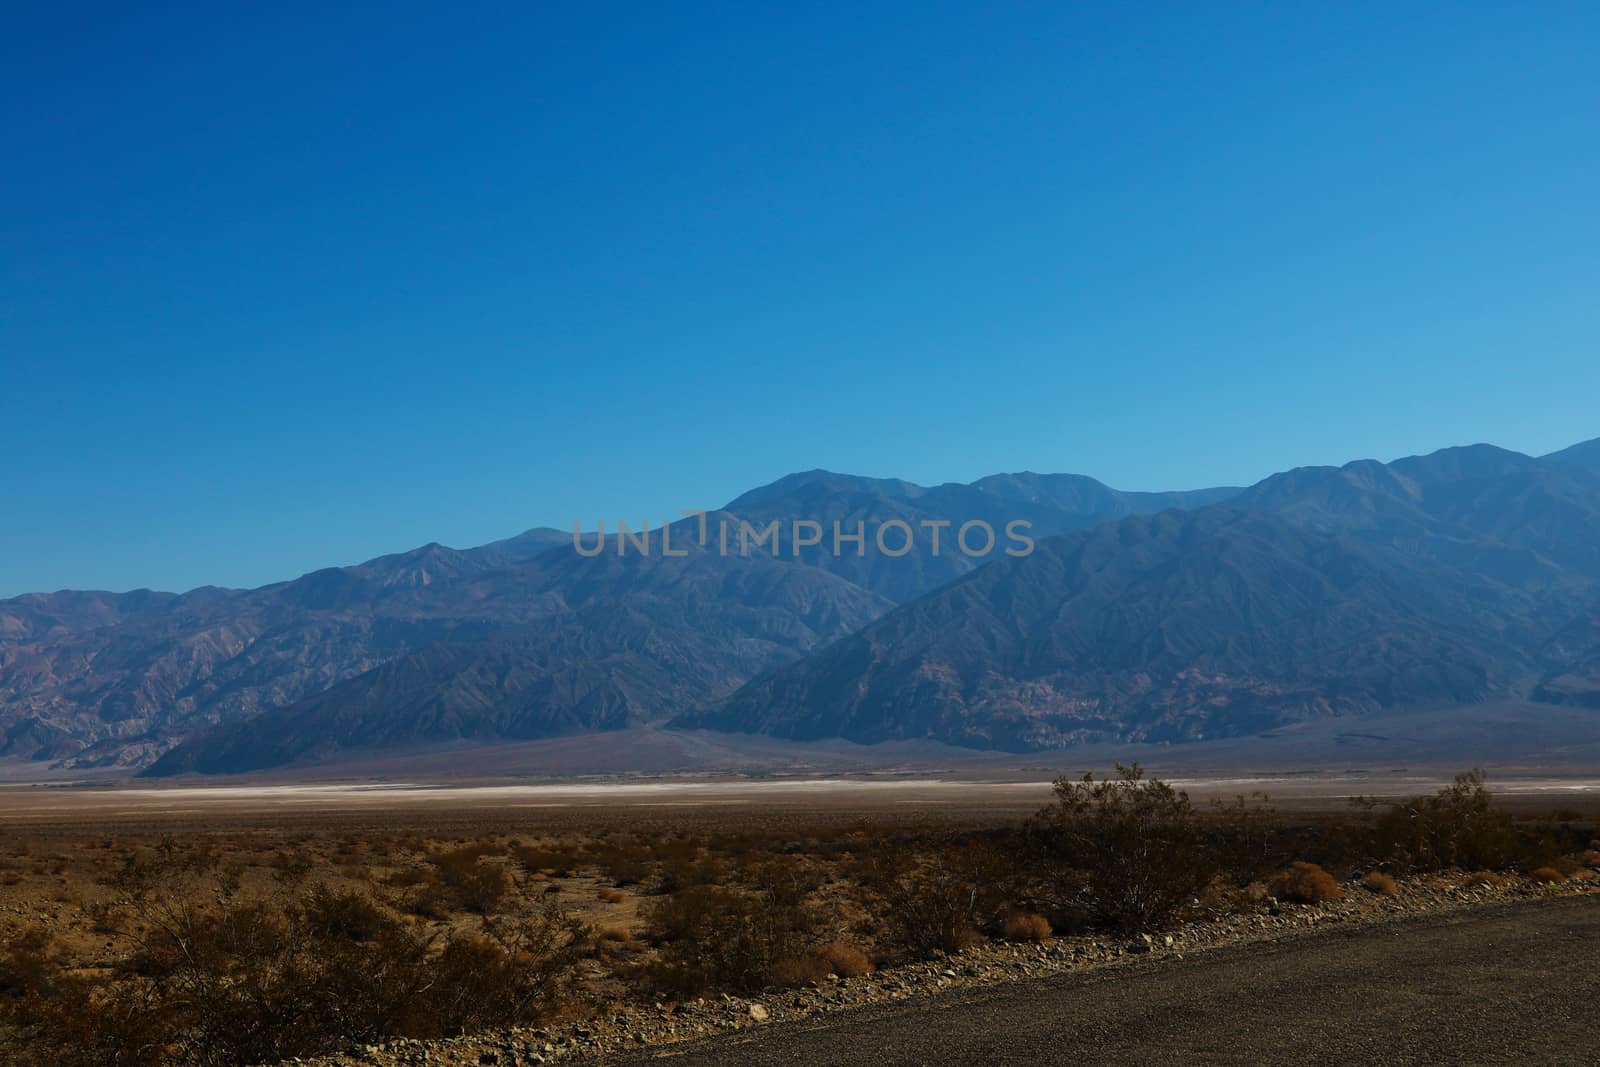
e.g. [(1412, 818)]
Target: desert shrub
[(560, 861), (933, 904), (210, 980), (846, 961), (1305, 883), (1244, 837), (783, 879), (1026, 926), (1590, 858), (481, 890), (612, 896), (291, 868), (799, 971), (717, 938), (622, 865), (1459, 826), (82, 1023), (331, 915), (461, 880), (504, 977), (1380, 883), (1125, 852), (685, 871), (1548, 875), (29, 966), (1221, 897)]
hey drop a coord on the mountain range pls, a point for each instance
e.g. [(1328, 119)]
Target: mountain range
[(1464, 576)]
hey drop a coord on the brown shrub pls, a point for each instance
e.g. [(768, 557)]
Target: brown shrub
[(1305, 883), (1382, 884), (612, 896), (462, 881), (846, 961), (1026, 926), (343, 916), (1459, 826), (1590, 858), (614, 933), (799, 970), (210, 980), (935, 905), (717, 938), (1547, 875)]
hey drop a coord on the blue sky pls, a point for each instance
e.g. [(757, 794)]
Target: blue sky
[(288, 288)]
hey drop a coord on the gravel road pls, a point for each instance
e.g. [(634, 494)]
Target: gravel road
[(1492, 985)]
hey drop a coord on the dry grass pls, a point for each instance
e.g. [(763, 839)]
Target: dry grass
[(1547, 875), (1305, 883), (1026, 926), (799, 971), (611, 896), (1483, 879), (1380, 883), (846, 961)]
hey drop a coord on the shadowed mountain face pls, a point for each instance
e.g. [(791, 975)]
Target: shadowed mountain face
[(670, 634), (1439, 579), (130, 690), (1174, 627)]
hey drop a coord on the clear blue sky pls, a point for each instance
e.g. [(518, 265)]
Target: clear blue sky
[(291, 287)]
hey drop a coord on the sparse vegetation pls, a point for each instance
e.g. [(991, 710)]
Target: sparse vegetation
[(1126, 852), (1305, 883), (1382, 884), (213, 949), (1026, 926)]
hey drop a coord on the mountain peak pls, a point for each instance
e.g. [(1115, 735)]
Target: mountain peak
[(819, 480)]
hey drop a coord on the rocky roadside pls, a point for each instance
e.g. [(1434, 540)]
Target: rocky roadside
[(635, 1026)]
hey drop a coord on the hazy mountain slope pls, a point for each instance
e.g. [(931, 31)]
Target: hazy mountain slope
[(1172, 627), (622, 641), (1047, 503), (1574, 652), (1469, 567), (1583, 456), (121, 692), (128, 692), (1494, 514), (45, 616)]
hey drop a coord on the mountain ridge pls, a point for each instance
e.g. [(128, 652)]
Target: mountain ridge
[(529, 637)]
